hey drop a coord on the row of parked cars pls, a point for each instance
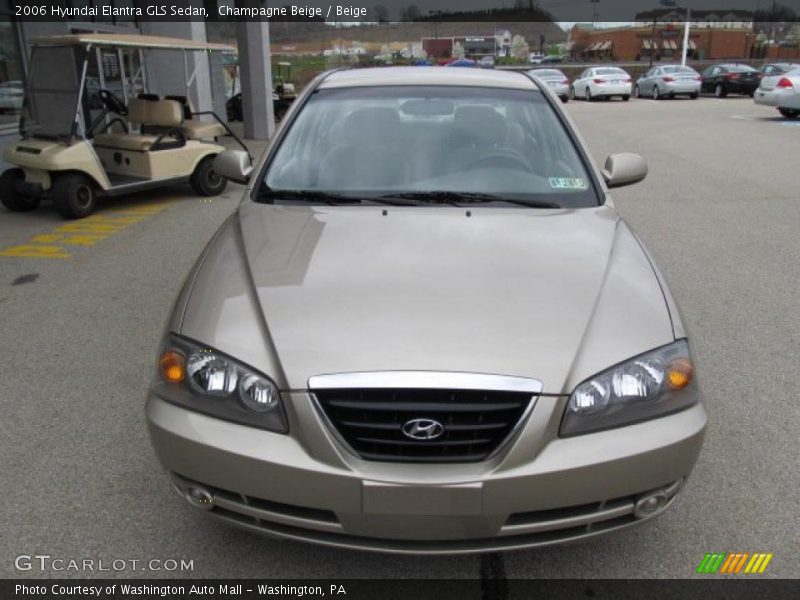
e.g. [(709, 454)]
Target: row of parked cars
[(775, 84)]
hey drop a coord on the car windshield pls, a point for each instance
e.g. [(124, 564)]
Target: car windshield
[(687, 70), (427, 144), (609, 71), (546, 73), (53, 90)]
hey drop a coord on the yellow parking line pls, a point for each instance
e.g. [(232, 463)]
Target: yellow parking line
[(30, 251), (86, 232)]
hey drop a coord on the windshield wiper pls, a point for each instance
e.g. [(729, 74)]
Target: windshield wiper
[(331, 198), (462, 198)]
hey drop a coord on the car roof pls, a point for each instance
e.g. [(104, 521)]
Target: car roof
[(383, 76)]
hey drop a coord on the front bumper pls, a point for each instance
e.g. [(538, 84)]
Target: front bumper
[(306, 486)]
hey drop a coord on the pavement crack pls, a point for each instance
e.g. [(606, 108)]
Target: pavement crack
[(494, 583)]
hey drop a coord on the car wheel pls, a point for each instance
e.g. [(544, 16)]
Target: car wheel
[(9, 195), (588, 95), (636, 93), (752, 94), (693, 96), (625, 98), (572, 93), (789, 113), (564, 98), (719, 91), (656, 95), (205, 180), (74, 195)]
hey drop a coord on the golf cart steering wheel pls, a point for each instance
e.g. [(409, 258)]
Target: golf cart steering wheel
[(113, 103)]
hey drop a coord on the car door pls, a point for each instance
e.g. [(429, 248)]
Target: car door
[(651, 81), (709, 78), (580, 84)]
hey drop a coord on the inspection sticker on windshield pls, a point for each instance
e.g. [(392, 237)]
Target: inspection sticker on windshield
[(568, 183)]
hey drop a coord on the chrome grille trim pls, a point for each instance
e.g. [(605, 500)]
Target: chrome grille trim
[(433, 380)]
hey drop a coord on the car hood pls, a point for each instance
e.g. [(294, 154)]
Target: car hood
[(555, 295)]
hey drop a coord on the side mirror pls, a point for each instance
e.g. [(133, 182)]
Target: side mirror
[(624, 168), (233, 165)]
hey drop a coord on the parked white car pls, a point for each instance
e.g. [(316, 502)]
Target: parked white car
[(602, 82), (782, 92)]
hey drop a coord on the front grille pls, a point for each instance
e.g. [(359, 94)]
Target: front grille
[(475, 422)]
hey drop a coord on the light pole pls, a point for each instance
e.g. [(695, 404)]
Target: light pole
[(686, 36)]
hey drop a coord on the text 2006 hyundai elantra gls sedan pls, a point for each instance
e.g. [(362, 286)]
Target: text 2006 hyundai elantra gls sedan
[(426, 329)]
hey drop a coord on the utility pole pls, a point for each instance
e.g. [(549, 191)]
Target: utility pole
[(653, 42), (686, 36)]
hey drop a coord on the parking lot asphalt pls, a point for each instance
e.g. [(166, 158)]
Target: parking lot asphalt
[(80, 326)]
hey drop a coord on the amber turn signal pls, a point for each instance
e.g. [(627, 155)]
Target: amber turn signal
[(172, 366), (679, 373)]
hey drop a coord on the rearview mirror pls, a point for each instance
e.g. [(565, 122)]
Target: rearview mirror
[(624, 168), (233, 165)]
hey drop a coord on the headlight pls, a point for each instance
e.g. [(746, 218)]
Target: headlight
[(205, 380), (647, 386)]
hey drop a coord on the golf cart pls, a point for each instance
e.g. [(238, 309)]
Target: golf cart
[(283, 94), (81, 140)]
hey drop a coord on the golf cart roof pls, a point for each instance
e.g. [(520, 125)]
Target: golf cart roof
[(130, 41)]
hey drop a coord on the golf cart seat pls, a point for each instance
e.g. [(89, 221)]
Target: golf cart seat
[(161, 118), (193, 128)]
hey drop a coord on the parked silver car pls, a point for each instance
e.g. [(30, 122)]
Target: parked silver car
[(668, 81), (554, 78), (781, 91), (426, 329)]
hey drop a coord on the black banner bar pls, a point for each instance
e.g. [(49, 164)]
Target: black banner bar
[(733, 588)]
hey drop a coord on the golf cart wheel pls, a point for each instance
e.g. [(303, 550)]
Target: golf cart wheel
[(74, 195), (205, 180), (789, 113), (9, 195)]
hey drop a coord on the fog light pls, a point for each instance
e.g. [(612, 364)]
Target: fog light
[(650, 504), (199, 497)]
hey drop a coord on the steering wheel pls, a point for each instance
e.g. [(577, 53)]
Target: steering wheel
[(113, 103), (500, 158)]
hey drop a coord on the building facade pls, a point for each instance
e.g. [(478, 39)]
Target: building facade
[(664, 41)]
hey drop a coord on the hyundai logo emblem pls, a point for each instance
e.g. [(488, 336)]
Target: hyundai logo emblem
[(423, 429)]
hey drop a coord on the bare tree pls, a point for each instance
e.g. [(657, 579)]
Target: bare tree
[(381, 13)]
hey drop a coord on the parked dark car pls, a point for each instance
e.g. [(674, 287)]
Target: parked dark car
[(726, 79)]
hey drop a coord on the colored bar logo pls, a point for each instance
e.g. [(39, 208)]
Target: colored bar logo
[(733, 563)]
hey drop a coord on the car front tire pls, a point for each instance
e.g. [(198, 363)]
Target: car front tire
[(719, 91), (10, 197), (636, 92), (74, 195), (588, 95), (656, 95)]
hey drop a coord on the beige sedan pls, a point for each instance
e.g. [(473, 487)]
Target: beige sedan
[(427, 330)]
